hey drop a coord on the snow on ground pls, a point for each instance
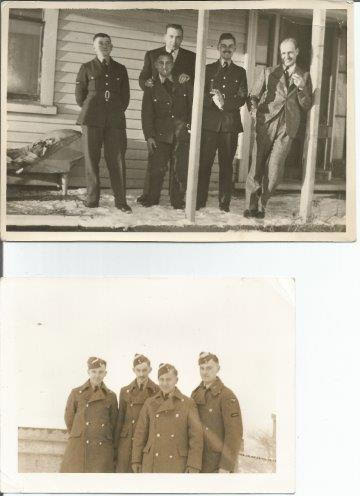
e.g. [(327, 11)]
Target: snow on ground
[(282, 212)]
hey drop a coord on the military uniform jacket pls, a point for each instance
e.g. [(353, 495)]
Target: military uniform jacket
[(90, 418), (232, 84), (184, 64), (165, 115), (270, 95), (92, 83), (221, 420), (131, 401), (168, 436)]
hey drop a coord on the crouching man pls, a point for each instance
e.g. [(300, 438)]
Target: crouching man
[(168, 436), (166, 117), (90, 417)]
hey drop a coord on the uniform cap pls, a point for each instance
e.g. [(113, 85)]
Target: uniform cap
[(206, 356), (138, 359), (95, 362), (164, 368)]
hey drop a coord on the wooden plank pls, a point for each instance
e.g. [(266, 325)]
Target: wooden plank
[(70, 87), (81, 58), (196, 118), (70, 76), (317, 42)]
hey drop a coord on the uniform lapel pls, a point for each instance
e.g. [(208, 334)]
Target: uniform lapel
[(292, 86), (199, 395), (97, 395)]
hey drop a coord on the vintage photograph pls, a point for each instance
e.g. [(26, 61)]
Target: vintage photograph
[(172, 376), (182, 123)]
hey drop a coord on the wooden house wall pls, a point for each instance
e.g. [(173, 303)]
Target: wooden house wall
[(133, 33)]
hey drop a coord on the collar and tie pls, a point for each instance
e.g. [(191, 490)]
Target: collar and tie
[(287, 77), (168, 85)]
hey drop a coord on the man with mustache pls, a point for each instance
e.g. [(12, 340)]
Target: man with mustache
[(220, 415), (102, 91), (183, 71), (132, 399), (224, 94), (279, 96)]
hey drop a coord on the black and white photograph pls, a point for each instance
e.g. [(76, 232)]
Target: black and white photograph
[(178, 121), (179, 377)]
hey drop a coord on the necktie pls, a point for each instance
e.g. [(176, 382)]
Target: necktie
[(166, 396), (286, 74), (141, 387), (168, 85)]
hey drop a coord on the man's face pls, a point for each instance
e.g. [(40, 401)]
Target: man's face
[(142, 371), (288, 53), (209, 371), (226, 49), (164, 65), (102, 47), (167, 382), (97, 375), (173, 38)]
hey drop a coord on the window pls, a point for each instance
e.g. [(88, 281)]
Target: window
[(31, 60)]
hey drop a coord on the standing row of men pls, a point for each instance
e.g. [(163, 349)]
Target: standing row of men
[(156, 428), (276, 102)]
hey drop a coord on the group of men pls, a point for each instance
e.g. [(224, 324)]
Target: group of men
[(276, 102), (156, 427)]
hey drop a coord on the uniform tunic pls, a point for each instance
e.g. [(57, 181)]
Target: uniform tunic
[(168, 436), (131, 400), (220, 128), (220, 416), (90, 417)]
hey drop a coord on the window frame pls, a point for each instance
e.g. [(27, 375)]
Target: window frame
[(45, 105)]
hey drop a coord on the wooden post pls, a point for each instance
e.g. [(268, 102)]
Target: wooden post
[(197, 111), (317, 44), (276, 39)]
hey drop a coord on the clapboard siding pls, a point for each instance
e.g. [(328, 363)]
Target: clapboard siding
[(133, 32)]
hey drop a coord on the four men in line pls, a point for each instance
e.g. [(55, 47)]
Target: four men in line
[(157, 428), (276, 102)]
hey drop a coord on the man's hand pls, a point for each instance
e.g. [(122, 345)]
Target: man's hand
[(218, 99), (298, 81), (136, 468), (223, 471), (190, 470), (151, 144), (149, 83), (183, 78)]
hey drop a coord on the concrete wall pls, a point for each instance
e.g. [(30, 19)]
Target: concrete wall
[(40, 450)]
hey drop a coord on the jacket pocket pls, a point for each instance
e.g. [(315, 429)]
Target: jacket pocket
[(182, 451)]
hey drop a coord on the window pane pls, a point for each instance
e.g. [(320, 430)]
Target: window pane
[(24, 58), (32, 13), (262, 43)]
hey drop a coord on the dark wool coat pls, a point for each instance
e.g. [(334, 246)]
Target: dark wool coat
[(270, 95), (131, 401), (220, 416), (90, 418), (232, 84), (92, 81), (184, 64), (168, 436)]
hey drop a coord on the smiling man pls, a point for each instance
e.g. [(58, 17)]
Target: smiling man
[(168, 436), (90, 417), (220, 416), (131, 400), (279, 96), (224, 94)]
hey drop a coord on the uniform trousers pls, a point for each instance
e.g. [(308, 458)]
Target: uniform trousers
[(178, 154), (115, 142), (226, 144), (268, 159)]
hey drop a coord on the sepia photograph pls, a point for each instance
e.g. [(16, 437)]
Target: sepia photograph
[(178, 377), (178, 121)]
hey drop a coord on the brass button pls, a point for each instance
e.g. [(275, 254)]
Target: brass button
[(172, 435), (206, 428), (87, 423), (100, 443), (177, 415), (210, 409), (87, 404), (107, 84), (106, 75), (223, 85), (170, 456), (157, 435), (133, 421), (102, 425), (156, 454), (87, 441), (157, 415)]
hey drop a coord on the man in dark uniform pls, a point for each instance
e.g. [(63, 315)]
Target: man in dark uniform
[(225, 92), (132, 399), (166, 117), (183, 70), (90, 417), (280, 97), (102, 91), (220, 415), (168, 436)]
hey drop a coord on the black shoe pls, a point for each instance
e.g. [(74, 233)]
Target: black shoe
[(260, 214), (250, 213), (141, 199), (91, 204), (224, 208), (179, 206), (148, 203), (124, 207)]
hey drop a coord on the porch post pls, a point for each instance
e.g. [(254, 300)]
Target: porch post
[(196, 117), (317, 44)]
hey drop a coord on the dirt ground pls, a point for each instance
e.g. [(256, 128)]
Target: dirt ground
[(69, 213)]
